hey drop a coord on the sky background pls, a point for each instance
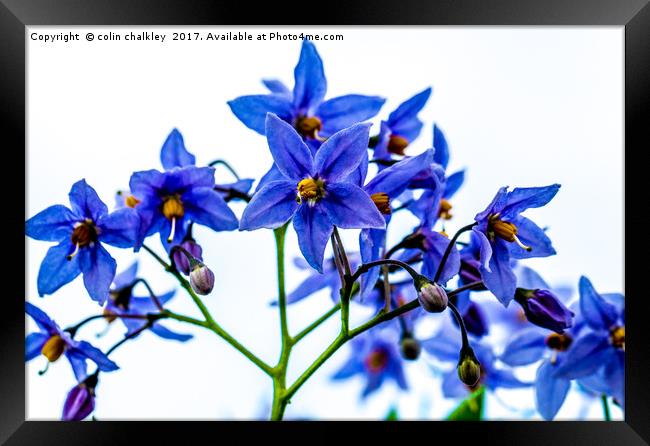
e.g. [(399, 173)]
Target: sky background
[(519, 107)]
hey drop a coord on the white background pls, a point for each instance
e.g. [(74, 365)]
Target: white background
[(519, 106)]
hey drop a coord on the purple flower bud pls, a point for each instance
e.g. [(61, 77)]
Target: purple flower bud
[(180, 259), (202, 279), (80, 401), (544, 309), (432, 297)]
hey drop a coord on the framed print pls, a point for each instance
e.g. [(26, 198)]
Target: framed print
[(394, 213)]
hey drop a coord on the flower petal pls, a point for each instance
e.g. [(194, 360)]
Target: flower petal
[(43, 321), (452, 386), (396, 178), (586, 355), (51, 225), (485, 248), (409, 109), (98, 269), (344, 111), (273, 174), (310, 82), (341, 154), (120, 228), (522, 198), (314, 229), (166, 333), (290, 153), (435, 250), (173, 152), (614, 373), (94, 354), (251, 110), (312, 284), (56, 270), (271, 207), (276, 86), (440, 145), (349, 207), (550, 392), (85, 201), (499, 278), (126, 277), (599, 314), (533, 236), (78, 362), (358, 175), (371, 244), (34, 344), (205, 206), (525, 347), (453, 183)]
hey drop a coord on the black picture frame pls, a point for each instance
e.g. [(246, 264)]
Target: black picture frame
[(15, 15)]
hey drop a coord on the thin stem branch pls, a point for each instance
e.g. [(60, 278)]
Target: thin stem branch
[(130, 336), (606, 412), (451, 244), (226, 165), (311, 327), (152, 295)]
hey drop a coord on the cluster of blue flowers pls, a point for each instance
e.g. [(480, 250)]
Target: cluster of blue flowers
[(322, 153)]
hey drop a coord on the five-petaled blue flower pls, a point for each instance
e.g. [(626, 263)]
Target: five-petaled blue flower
[(600, 349), (374, 355), (168, 201), (313, 191), (52, 342), (401, 128), (80, 232), (304, 108), (122, 302), (503, 235)]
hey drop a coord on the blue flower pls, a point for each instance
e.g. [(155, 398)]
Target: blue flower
[(80, 232), (601, 347), (445, 346), (316, 281), (402, 127), (169, 201), (122, 302), (304, 108), (376, 357), (52, 342), (313, 191), (504, 234), (382, 189)]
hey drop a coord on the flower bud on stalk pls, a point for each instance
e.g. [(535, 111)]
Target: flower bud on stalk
[(469, 369), (431, 296), (410, 348), (80, 401), (201, 279), (544, 309), (180, 259)]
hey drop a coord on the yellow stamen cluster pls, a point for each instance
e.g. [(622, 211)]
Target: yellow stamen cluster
[(311, 189), (558, 342), (397, 144), (309, 126), (504, 230), (617, 336), (53, 348), (382, 201), (443, 211), (173, 207), (131, 201)]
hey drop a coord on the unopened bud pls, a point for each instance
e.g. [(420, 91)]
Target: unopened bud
[(544, 309), (180, 258), (80, 401), (201, 279), (431, 296), (469, 369), (410, 348)]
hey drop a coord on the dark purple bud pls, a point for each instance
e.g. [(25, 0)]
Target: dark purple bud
[(202, 279), (80, 401), (410, 348), (544, 309), (180, 259), (432, 296)]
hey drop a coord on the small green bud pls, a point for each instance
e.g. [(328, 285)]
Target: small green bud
[(410, 348), (469, 369)]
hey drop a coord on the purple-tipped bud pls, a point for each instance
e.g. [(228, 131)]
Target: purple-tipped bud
[(410, 348), (469, 369), (180, 259), (201, 279), (80, 401), (544, 309), (432, 296)]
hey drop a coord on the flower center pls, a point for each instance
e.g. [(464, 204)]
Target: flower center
[(443, 211), (558, 342), (309, 126), (377, 360), (172, 207), (310, 190), (397, 144), (504, 230), (382, 201), (617, 337), (84, 234), (53, 348), (131, 201)]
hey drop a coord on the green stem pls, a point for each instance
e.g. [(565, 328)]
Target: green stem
[(451, 244), (608, 416), (209, 323)]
